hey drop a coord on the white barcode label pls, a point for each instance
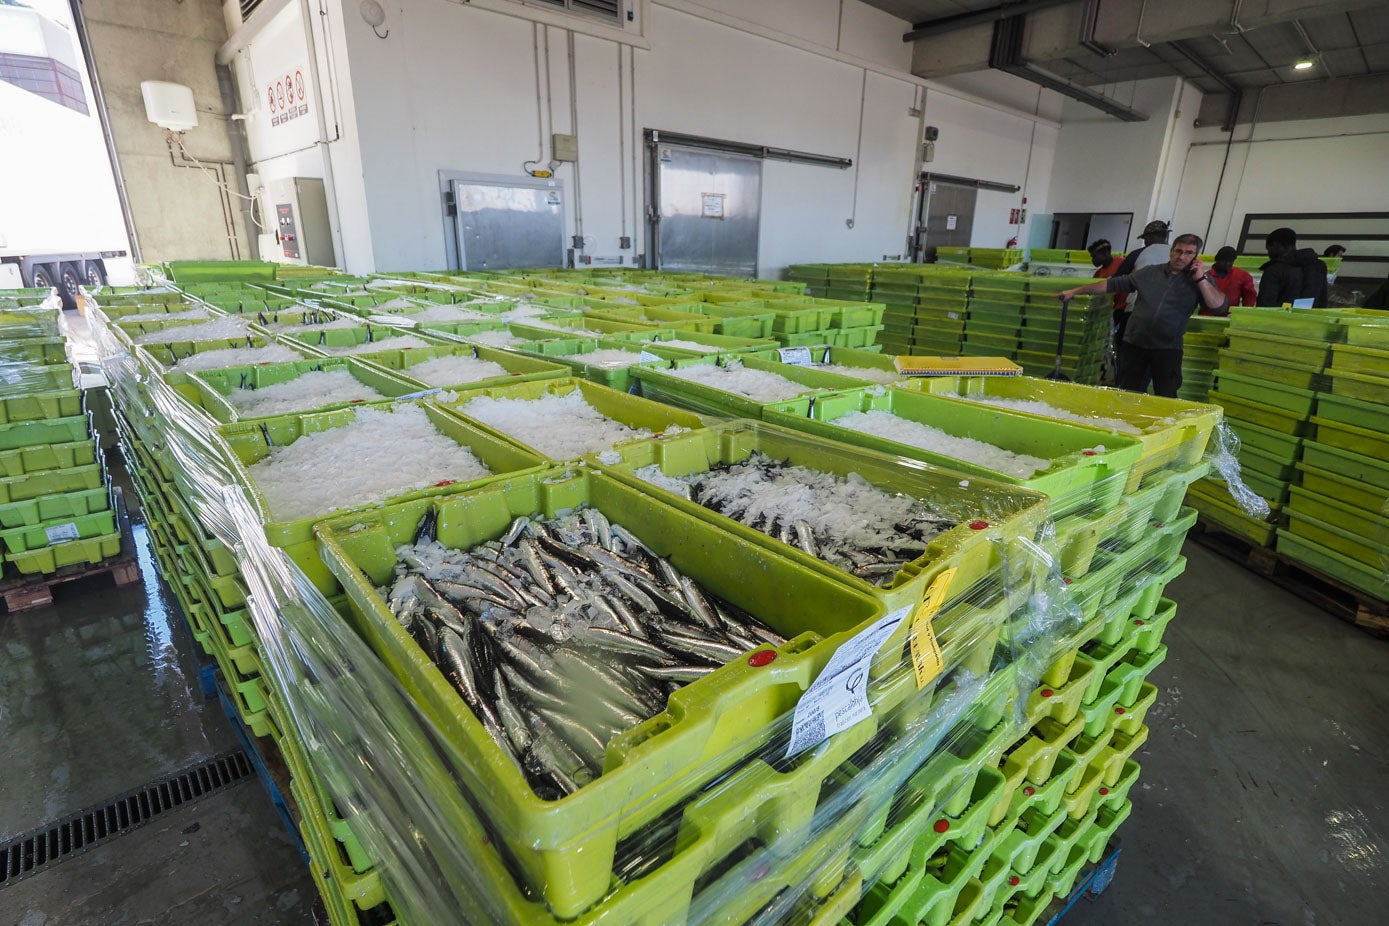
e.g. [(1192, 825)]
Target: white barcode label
[(800, 356), (838, 698), (61, 532)]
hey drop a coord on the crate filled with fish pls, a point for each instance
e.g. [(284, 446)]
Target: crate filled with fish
[(614, 662), (260, 391), (363, 339), (567, 419), (864, 365), (694, 344), (462, 366), (301, 468), (302, 320), (173, 328), (883, 524), (1078, 468), (192, 356), (734, 386)]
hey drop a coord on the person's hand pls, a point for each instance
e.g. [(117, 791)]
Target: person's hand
[(1066, 295), (1198, 269)]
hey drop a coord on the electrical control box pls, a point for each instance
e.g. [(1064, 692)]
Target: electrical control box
[(299, 214), (564, 147)]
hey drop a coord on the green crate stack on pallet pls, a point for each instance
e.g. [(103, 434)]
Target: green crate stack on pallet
[(1036, 809), (1087, 331), (55, 496), (1267, 382), (853, 282), (994, 327), (815, 277), (995, 258), (926, 308), (1205, 338), (1338, 516)]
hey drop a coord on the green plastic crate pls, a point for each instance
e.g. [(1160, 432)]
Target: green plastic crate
[(574, 326), (164, 358), (1080, 476), (986, 512), (1173, 432), (49, 559), (50, 482), (34, 350), (734, 319), (1373, 443), (250, 442), (41, 406), (519, 369), (1264, 369), (661, 385), (654, 317), (1368, 578), (1346, 490), (1269, 442), (48, 533), (1277, 347), (1365, 333), (633, 411), (36, 459), (1304, 324), (1360, 386), (55, 506), (214, 386), (1239, 410), (1366, 551), (565, 847), (567, 357), (325, 341), (1371, 415), (1372, 526)]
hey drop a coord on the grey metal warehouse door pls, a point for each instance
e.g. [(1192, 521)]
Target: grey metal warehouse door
[(949, 212), (710, 205), (504, 225)]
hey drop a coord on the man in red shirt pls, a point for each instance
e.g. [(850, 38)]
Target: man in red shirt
[(1236, 284)]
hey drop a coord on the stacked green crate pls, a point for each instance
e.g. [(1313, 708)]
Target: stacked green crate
[(994, 326), (1267, 381), (897, 287), (55, 500), (995, 258), (1205, 338), (815, 277), (1087, 331), (1338, 516), (853, 282)]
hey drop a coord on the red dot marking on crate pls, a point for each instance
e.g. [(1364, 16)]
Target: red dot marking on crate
[(1103, 791), (760, 658), (1067, 581), (443, 482), (941, 826), (1014, 881), (1029, 790), (1158, 524), (1118, 710), (1047, 692), (1087, 453), (978, 525), (1139, 623)]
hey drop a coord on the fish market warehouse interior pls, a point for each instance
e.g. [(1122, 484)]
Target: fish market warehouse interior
[(669, 462)]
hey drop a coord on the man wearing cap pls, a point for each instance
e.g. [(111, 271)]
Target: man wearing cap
[(1155, 232), (1236, 284), (1167, 295)]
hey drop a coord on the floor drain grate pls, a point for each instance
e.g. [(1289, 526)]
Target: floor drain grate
[(74, 834)]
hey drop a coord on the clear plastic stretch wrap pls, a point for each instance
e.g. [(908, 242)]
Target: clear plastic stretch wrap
[(853, 716)]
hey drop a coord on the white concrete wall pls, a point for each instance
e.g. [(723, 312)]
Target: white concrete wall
[(1318, 165), (460, 87), (1104, 165)]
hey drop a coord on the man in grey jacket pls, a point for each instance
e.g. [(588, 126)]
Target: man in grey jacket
[(1168, 294)]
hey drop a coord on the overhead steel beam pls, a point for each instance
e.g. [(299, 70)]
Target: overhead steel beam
[(933, 27), (1235, 93), (1005, 55), (1308, 99)]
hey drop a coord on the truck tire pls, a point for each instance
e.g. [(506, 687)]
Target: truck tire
[(93, 274), (69, 280), (43, 276)]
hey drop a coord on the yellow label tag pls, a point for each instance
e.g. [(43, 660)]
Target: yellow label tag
[(927, 660)]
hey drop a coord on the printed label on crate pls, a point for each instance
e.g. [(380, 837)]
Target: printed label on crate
[(838, 698), (927, 660), (647, 356), (59, 533), (800, 356)]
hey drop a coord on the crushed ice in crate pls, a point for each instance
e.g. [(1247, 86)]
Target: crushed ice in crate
[(454, 370), (393, 342), (989, 456), (844, 520), (219, 329), (188, 315), (610, 358), (758, 385), (688, 345), (562, 633), (563, 427), (380, 454), (237, 357), (451, 313), (311, 390), (1046, 410), (310, 322), (872, 374), (494, 339)]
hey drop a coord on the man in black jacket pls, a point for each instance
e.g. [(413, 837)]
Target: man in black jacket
[(1291, 273)]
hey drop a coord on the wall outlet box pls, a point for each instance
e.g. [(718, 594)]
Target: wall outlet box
[(564, 147)]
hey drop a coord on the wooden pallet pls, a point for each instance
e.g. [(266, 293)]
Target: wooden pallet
[(27, 593), (1350, 604)]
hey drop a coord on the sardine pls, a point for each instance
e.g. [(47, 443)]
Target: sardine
[(514, 532)]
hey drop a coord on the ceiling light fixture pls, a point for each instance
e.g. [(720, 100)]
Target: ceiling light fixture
[(1304, 64)]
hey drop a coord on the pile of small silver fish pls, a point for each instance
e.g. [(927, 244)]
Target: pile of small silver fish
[(561, 634), (845, 521)]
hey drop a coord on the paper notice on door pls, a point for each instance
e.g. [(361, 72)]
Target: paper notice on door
[(950, 222), (838, 698)]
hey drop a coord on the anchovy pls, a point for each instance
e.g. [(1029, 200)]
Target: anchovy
[(697, 604), (514, 532), (635, 595), (677, 673), (426, 531), (805, 538), (512, 721), (612, 641)]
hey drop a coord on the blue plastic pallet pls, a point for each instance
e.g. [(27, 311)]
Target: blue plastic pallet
[(1092, 883)]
